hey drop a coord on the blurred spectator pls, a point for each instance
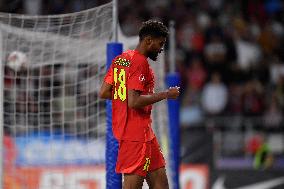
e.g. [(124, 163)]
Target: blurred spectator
[(185, 33), (248, 52), (273, 115), (214, 95), (252, 99), (215, 49), (279, 90), (268, 40), (234, 106), (254, 8), (276, 70), (196, 74)]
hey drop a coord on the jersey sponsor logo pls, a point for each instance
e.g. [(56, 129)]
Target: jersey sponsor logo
[(122, 62), (269, 184), (142, 78), (147, 164)]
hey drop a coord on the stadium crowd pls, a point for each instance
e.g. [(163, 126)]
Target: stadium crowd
[(229, 55)]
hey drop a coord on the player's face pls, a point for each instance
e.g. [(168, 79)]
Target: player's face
[(156, 46)]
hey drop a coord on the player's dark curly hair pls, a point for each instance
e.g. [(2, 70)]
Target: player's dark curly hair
[(153, 28)]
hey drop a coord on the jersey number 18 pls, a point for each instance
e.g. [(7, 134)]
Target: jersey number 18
[(119, 79)]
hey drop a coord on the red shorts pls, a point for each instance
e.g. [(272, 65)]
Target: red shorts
[(139, 157)]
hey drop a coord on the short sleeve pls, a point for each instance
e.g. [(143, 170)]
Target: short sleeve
[(109, 76), (137, 76)]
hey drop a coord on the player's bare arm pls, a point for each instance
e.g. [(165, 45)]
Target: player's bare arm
[(136, 100), (106, 91)]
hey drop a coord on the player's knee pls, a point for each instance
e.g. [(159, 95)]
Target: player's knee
[(162, 184), (165, 184)]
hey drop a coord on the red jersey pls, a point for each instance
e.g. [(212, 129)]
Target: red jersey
[(130, 70)]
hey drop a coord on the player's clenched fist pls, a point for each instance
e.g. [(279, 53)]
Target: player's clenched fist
[(173, 92)]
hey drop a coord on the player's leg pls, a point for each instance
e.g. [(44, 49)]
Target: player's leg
[(158, 179), (132, 181)]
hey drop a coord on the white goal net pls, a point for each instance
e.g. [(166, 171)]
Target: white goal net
[(54, 125), (53, 121)]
